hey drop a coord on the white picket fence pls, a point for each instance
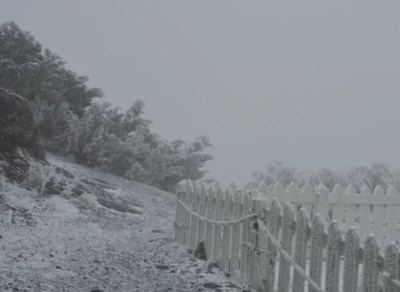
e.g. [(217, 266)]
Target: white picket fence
[(374, 212), (264, 243)]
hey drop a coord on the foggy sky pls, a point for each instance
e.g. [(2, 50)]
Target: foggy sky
[(312, 83)]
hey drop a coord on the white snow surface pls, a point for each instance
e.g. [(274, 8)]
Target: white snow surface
[(76, 244)]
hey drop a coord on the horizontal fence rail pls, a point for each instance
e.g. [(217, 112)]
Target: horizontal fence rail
[(272, 244)]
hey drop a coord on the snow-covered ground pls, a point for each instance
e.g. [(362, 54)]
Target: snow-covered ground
[(73, 243)]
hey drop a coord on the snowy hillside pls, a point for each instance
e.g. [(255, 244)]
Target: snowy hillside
[(77, 242)]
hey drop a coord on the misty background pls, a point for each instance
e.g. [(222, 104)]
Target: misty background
[(314, 84)]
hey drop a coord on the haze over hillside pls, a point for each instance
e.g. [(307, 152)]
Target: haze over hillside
[(311, 83)]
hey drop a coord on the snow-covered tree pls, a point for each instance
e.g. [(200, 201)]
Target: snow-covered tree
[(276, 172), (133, 117), (98, 134), (377, 174)]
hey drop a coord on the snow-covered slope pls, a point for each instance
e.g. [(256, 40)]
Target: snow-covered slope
[(73, 243)]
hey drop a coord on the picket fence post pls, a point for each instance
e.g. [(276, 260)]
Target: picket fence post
[(351, 260), (390, 216), (178, 219), (364, 212), (274, 226), (254, 273), (322, 206), (317, 248), (371, 264), (378, 215), (391, 267), (188, 202), (219, 207), (302, 237), (194, 220), (226, 236), (308, 189), (202, 212), (244, 257), (211, 200), (286, 242), (337, 211), (235, 246), (263, 192), (335, 251)]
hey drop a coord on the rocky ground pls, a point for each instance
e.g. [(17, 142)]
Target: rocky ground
[(81, 230)]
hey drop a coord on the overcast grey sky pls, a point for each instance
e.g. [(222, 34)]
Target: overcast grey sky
[(312, 83)]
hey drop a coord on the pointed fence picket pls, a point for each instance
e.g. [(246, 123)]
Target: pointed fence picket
[(211, 200), (351, 260), (244, 252), (391, 211), (274, 227), (391, 267), (317, 247), (268, 242), (322, 205), (202, 212), (188, 202), (237, 214), (351, 208), (179, 221), (364, 210), (336, 199), (286, 242), (302, 238), (193, 219), (252, 263), (335, 251), (264, 242), (371, 265), (226, 234), (378, 215), (219, 207), (308, 190)]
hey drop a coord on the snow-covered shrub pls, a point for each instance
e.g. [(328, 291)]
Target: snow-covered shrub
[(124, 144), (38, 175), (35, 177), (377, 174), (86, 201)]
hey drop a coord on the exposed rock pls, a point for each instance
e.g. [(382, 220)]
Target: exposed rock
[(211, 266), (210, 285), (22, 216), (98, 183), (14, 165), (105, 198), (157, 231), (119, 204), (64, 172), (19, 136), (162, 267), (4, 207), (200, 251), (53, 187), (79, 190)]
